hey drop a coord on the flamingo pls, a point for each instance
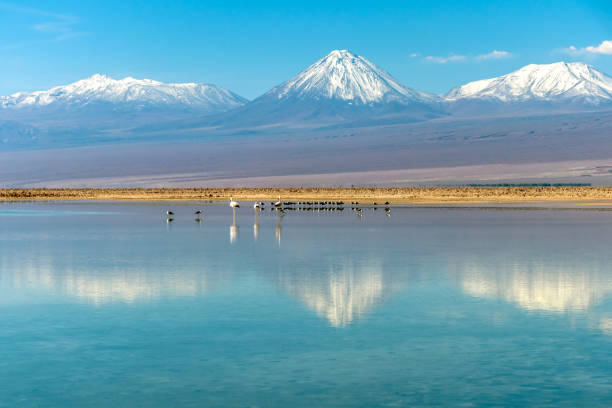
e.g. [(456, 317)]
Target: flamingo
[(278, 203), (233, 204)]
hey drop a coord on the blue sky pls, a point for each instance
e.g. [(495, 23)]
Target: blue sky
[(251, 46)]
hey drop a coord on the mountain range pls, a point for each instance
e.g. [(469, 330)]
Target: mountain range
[(340, 91), (558, 82), (126, 94), (542, 88)]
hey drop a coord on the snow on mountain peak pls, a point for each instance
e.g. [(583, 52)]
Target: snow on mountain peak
[(545, 82), (342, 75), (142, 92)]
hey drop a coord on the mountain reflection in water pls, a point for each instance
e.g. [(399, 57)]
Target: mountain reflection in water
[(340, 279), (106, 304)]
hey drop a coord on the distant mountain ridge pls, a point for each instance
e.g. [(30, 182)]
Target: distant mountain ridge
[(340, 76), (558, 82), (131, 93)]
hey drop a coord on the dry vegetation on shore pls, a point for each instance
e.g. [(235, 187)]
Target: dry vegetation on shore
[(428, 195)]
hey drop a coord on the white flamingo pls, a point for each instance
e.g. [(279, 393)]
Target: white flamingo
[(279, 203), (233, 204)]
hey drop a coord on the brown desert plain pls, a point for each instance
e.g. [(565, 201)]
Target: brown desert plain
[(406, 195)]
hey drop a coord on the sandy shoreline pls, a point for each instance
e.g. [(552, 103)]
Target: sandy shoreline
[(422, 195)]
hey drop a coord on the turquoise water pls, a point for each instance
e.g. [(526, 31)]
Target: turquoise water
[(109, 305)]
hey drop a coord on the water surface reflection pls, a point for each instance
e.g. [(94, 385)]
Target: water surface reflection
[(426, 308), (339, 275)]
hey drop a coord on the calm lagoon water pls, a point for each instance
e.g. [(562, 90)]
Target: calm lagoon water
[(106, 304)]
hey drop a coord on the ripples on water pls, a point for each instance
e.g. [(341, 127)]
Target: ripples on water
[(107, 304)]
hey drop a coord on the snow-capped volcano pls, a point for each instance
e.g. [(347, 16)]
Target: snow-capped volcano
[(558, 82), (340, 88), (342, 75), (127, 92)]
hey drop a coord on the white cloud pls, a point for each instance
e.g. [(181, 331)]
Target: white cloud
[(444, 60), (55, 26), (58, 30), (414, 55), (604, 48), (495, 54)]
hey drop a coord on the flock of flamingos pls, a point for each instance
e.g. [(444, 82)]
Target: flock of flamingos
[(282, 206)]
